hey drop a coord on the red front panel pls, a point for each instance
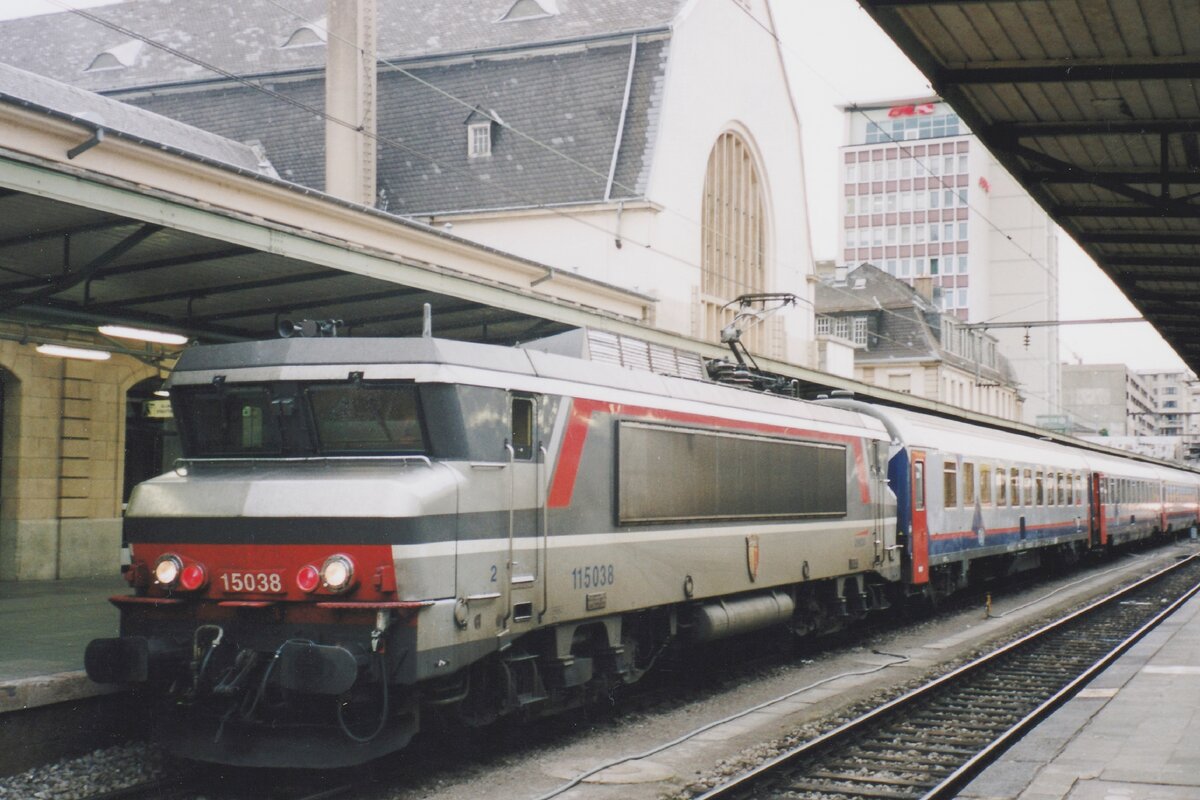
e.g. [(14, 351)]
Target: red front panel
[(920, 522), (268, 572)]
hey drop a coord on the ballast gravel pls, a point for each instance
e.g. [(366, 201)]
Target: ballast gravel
[(100, 771)]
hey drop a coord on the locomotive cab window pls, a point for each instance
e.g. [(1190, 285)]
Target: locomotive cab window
[(220, 421), (522, 427), (366, 418)]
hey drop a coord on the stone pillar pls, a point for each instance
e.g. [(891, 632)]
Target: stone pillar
[(62, 462)]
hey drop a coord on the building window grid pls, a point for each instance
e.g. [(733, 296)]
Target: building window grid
[(860, 331)]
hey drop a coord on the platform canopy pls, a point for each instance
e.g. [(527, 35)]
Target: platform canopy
[(1094, 107)]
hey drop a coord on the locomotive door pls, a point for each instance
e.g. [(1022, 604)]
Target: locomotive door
[(919, 541), (526, 512)]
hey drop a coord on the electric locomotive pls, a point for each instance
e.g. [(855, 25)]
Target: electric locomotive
[(366, 532)]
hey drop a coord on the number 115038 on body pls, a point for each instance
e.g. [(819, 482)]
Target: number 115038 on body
[(593, 576)]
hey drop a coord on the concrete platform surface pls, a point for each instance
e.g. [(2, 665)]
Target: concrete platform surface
[(1132, 734), (44, 628)]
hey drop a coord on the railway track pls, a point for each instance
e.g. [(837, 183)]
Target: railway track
[(932, 741)]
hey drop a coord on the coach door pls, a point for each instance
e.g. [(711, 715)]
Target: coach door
[(527, 509), (1098, 525), (920, 523)]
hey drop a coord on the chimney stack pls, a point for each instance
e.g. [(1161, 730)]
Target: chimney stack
[(350, 70)]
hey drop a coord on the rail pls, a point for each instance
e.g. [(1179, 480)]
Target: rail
[(932, 741)]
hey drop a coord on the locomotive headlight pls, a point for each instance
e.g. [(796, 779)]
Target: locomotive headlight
[(337, 574), (167, 569)]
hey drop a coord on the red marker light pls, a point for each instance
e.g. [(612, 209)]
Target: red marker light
[(193, 577), (308, 578)]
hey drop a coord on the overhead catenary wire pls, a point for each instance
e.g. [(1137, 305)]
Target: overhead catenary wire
[(391, 142), (406, 148), (384, 140)]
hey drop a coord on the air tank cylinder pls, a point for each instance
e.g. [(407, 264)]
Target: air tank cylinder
[(730, 617)]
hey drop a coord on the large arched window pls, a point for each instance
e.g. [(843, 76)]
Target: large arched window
[(733, 253)]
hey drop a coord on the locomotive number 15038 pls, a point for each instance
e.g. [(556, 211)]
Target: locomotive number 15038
[(252, 582)]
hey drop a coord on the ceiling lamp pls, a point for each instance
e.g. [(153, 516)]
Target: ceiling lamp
[(143, 335), (73, 352)]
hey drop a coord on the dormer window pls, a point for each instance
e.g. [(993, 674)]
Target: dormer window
[(530, 9), (119, 57), (480, 125), (310, 35), (479, 139)]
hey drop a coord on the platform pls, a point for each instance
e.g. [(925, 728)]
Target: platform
[(44, 628), (1132, 734)]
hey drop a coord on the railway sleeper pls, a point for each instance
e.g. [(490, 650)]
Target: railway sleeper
[(876, 778), (848, 763), (890, 754), (850, 790), (920, 745)]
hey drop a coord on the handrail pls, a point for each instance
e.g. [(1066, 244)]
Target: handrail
[(544, 506), (297, 459), (508, 566)]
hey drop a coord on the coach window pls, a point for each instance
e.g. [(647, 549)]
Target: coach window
[(968, 484), (950, 484), (1001, 487), (522, 427), (919, 484), (1062, 489), (985, 484), (1050, 487), (1014, 485), (1039, 496)]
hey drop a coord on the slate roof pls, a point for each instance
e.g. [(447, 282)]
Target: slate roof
[(878, 289), (534, 74), (245, 37), (44, 95), (904, 325), (570, 101)]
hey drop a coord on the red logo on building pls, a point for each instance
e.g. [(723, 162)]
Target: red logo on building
[(908, 111), (983, 184)]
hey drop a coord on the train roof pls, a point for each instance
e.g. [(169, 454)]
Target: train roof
[(430, 359), (996, 445)]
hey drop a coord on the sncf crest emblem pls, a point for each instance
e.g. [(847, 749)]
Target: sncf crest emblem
[(752, 556)]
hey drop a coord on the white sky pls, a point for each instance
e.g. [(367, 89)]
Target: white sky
[(836, 55)]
